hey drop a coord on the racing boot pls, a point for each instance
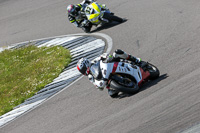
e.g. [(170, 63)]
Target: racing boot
[(123, 55), (120, 54), (134, 59)]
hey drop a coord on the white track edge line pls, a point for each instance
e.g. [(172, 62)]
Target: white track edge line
[(109, 48)]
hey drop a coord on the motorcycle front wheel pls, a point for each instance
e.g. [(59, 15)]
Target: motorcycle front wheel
[(113, 93), (86, 29), (127, 87), (153, 70)]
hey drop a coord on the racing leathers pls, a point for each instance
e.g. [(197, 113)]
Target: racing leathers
[(77, 18), (117, 55)]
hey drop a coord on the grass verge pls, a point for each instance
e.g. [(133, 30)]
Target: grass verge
[(25, 71)]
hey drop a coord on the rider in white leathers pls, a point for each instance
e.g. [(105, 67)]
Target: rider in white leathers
[(85, 66)]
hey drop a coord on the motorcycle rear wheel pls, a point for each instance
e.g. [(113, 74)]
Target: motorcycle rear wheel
[(131, 88), (111, 17)]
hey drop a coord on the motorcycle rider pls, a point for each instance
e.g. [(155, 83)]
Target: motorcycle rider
[(84, 66), (74, 14), (74, 11)]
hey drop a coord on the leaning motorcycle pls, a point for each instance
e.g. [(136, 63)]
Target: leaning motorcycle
[(124, 76), (97, 14)]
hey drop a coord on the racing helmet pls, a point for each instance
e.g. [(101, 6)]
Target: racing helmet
[(83, 66), (71, 9)]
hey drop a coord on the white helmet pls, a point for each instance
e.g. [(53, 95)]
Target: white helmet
[(83, 66)]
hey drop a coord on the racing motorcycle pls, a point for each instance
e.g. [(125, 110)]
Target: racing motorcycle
[(124, 76), (97, 14)]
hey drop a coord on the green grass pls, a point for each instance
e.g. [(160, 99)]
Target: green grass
[(25, 71)]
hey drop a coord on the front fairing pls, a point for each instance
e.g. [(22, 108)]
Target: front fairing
[(120, 68), (129, 69), (93, 12)]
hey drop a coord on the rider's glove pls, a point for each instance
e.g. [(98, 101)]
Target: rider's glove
[(100, 88), (104, 56), (138, 60)]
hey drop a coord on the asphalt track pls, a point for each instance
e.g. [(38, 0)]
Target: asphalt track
[(163, 32)]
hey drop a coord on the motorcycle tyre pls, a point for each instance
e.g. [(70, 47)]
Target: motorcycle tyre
[(133, 89), (154, 74), (113, 93), (111, 17), (86, 29)]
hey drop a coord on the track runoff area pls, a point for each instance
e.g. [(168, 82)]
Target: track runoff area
[(80, 45)]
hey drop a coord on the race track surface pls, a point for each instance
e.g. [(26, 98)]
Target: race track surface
[(163, 32)]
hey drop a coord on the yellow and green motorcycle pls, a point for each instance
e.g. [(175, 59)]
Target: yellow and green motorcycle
[(97, 14)]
